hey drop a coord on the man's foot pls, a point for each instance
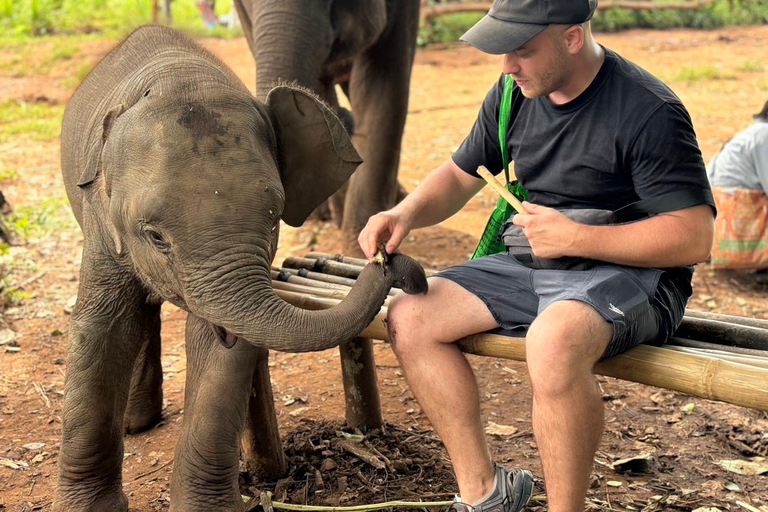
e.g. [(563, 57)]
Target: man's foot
[(512, 488)]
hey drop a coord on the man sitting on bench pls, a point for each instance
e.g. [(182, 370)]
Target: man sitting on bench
[(588, 130)]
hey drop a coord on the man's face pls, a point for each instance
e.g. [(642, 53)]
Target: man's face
[(542, 65)]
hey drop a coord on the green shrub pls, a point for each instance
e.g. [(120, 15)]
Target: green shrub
[(115, 18), (720, 13), (448, 28)]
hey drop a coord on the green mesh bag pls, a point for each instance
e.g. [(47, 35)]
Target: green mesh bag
[(489, 242)]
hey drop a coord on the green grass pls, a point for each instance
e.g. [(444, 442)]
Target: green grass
[(49, 215), (37, 121), (8, 174), (113, 18), (35, 56), (751, 67), (698, 74), (448, 28)]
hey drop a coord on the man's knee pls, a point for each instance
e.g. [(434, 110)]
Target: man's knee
[(563, 345), (404, 321)]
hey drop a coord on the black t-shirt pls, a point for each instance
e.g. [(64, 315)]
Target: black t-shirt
[(626, 137)]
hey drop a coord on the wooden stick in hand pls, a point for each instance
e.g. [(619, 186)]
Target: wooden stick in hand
[(495, 185)]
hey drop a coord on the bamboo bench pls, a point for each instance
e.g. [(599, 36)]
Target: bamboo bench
[(718, 357)]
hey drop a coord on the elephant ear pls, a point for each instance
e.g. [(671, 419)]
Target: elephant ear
[(315, 153), (93, 164)]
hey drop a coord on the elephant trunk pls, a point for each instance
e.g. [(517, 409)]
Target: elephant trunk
[(291, 40), (274, 324)]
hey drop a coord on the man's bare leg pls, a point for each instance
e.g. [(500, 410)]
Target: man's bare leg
[(423, 329), (563, 344)]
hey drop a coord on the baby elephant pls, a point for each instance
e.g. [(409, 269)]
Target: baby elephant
[(179, 178)]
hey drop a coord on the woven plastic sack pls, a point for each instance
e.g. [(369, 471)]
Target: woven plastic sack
[(741, 229)]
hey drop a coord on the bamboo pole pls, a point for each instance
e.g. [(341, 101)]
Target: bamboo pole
[(723, 333), (760, 362), (312, 291), (359, 262), (697, 375), (685, 342), (316, 279), (324, 266), (732, 319)]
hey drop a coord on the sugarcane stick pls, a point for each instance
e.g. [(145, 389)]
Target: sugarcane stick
[(723, 333), (732, 319), (698, 375), (511, 199)]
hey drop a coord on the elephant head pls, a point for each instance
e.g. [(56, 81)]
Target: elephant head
[(193, 190)]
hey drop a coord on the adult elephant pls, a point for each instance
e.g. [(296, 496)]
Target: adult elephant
[(179, 179), (366, 46)]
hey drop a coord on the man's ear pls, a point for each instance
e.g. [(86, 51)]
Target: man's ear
[(93, 164), (315, 154)]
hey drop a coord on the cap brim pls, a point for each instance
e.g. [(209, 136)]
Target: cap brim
[(494, 36)]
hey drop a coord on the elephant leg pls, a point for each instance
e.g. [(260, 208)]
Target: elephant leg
[(108, 321), (262, 449), (145, 399), (205, 467), (378, 93)]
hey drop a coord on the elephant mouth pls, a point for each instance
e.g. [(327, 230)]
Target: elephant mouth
[(225, 337)]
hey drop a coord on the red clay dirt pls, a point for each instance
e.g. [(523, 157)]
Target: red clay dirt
[(449, 82)]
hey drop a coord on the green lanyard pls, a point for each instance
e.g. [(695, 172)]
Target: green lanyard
[(505, 112)]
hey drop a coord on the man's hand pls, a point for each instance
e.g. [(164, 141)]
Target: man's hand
[(550, 233), (383, 227)]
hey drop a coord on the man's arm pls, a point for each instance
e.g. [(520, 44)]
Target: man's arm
[(442, 193), (682, 237)]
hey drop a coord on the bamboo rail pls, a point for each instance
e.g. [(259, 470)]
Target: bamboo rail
[(696, 325), (731, 374)]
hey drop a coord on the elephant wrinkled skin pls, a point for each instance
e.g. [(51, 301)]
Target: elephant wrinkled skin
[(367, 48), (179, 178)]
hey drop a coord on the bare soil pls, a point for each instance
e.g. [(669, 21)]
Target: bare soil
[(449, 82)]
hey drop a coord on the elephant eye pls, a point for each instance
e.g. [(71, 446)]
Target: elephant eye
[(157, 240)]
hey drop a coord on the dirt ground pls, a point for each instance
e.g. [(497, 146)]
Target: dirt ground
[(684, 442)]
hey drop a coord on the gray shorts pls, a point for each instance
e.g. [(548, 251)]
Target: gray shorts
[(645, 305)]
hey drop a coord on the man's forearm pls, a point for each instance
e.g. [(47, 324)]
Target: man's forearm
[(667, 240), (440, 195)]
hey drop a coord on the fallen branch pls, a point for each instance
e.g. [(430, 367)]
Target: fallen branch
[(359, 452)]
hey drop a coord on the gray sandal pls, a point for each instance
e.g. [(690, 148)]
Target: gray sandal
[(512, 490)]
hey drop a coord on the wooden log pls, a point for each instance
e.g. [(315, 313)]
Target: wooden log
[(684, 342), (723, 333), (697, 375), (360, 262), (361, 389), (324, 266), (731, 319), (760, 362), (316, 279), (312, 291)]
